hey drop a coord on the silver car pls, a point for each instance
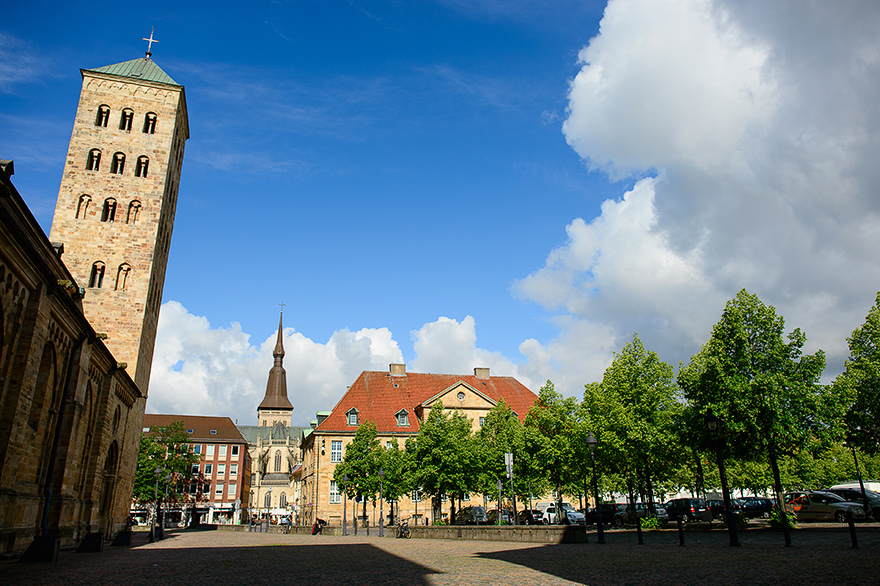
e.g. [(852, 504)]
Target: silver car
[(815, 505)]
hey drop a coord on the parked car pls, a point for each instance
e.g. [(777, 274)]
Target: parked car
[(854, 495), (472, 515), (716, 507), (530, 517), (688, 509), (506, 517), (569, 517), (625, 516), (816, 505), (606, 510), (757, 506)]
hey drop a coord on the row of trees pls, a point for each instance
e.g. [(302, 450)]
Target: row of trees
[(781, 428)]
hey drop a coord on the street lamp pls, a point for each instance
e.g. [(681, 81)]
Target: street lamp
[(600, 530), (344, 505), (381, 513), (268, 507), (158, 473), (713, 425)]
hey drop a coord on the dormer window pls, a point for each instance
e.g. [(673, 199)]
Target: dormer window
[(213, 432), (125, 119), (402, 418), (352, 417), (103, 116)]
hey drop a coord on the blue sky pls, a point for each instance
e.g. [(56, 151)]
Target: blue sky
[(520, 185)]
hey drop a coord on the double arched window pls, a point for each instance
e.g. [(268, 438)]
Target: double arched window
[(125, 119), (122, 276), (96, 278), (103, 115), (108, 213), (150, 123), (143, 163), (134, 209), (82, 206), (94, 161), (117, 165)]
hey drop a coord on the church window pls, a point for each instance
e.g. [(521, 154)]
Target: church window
[(335, 495), (352, 417), (234, 450), (122, 276), (140, 170), (96, 278), (108, 213), (278, 461), (117, 165), (150, 123), (282, 500), (103, 115), (267, 500), (222, 451), (402, 418), (44, 390), (125, 119), (82, 207), (94, 161), (336, 450)]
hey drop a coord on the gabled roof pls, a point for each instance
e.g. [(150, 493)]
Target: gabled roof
[(201, 426), (378, 396), (144, 69)]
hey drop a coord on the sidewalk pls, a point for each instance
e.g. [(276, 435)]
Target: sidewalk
[(217, 558)]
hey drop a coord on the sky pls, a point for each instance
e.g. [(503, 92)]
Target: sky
[(518, 185)]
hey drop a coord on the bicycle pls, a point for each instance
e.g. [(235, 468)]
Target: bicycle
[(403, 531)]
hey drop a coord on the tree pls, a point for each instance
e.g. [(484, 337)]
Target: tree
[(164, 447), (502, 432), (764, 389), (860, 382), (443, 456), (361, 463), (396, 466)]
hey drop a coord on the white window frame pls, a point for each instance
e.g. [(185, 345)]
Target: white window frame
[(335, 495), (336, 450)]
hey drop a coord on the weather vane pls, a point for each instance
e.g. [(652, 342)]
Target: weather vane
[(150, 42)]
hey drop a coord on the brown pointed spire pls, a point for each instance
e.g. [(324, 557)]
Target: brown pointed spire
[(276, 388)]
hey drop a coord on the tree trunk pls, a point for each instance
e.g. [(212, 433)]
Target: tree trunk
[(648, 484), (701, 480), (780, 500)]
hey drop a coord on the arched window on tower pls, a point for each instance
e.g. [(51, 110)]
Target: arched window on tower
[(282, 500), (143, 163), (150, 123), (134, 210), (103, 115), (96, 279), (94, 161), (267, 500), (122, 276), (117, 166), (109, 211), (278, 461), (125, 119), (82, 207)]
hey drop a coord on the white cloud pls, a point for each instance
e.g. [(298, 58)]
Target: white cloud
[(758, 125)]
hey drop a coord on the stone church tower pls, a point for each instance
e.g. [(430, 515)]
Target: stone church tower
[(116, 204)]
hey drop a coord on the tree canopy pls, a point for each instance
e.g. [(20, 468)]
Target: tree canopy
[(166, 448)]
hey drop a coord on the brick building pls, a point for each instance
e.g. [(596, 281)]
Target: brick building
[(219, 487), (396, 402)]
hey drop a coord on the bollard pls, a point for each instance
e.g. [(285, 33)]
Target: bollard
[(680, 533), (639, 529), (852, 529)]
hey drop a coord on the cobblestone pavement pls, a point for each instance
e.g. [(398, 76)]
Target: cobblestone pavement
[(221, 558)]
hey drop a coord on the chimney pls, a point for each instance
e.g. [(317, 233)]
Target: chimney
[(481, 373), (397, 369)]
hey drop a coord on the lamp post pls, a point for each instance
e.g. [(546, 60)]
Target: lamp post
[(344, 505), (712, 425), (158, 473), (600, 530), (852, 446), (508, 462), (268, 507), (381, 510), (163, 508)]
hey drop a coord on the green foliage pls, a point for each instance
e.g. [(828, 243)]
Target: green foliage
[(166, 448), (395, 463), (502, 432), (775, 520), (860, 382), (551, 437), (651, 523), (361, 463)]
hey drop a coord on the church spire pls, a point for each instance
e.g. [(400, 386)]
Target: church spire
[(276, 388)]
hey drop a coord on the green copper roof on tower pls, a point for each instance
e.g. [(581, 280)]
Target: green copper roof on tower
[(144, 69)]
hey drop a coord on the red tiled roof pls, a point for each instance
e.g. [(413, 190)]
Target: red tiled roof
[(200, 425), (378, 396)]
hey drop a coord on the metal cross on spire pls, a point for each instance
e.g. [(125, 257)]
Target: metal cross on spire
[(150, 42), (282, 306)]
